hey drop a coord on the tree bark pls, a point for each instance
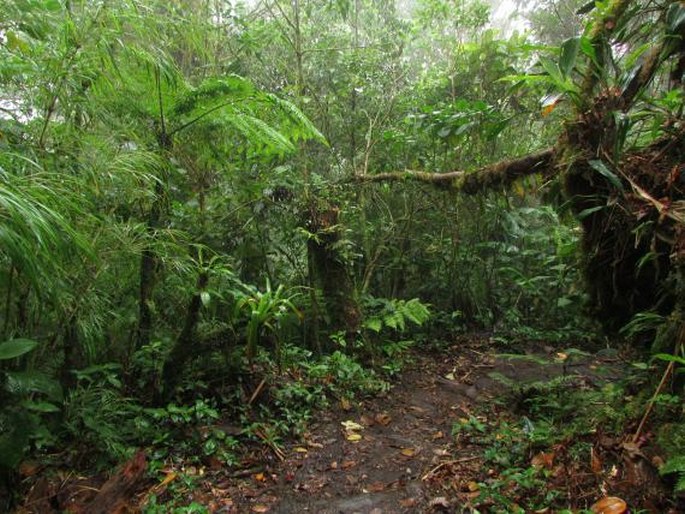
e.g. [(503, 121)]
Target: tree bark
[(184, 348), (331, 272), (499, 175)]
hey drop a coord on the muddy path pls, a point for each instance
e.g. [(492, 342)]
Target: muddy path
[(400, 452), (397, 453)]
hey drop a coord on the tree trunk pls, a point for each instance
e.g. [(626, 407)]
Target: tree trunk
[(184, 348), (331, 273)]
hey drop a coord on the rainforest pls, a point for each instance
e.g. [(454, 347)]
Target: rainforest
[(342, 256)]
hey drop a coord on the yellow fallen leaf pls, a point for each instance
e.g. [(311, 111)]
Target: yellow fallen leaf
[(168, 479), (259, 477), (299, 449), (473, 486), (353, 437), (408, 452), (345, 404), (351, 425)]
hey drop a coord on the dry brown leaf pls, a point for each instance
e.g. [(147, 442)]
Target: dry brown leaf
[(382, 418), (543, 460), (408, 502), (347, 464), (28, 468), (610, 505), (376, 487), (595, 462), (366, 420), (438, 435), (260, 508)]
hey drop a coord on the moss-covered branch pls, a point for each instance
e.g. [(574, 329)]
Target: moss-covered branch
[(497, 175)]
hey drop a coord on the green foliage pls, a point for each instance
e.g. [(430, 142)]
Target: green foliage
[(394, 314), (16, 348), (265, 311)]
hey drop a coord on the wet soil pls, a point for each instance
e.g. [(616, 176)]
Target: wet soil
[(397, 453), (403, 457)]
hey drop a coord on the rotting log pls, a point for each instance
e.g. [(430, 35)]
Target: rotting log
[(115, 496)]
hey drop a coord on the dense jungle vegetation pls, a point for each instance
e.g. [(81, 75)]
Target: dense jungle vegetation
[(219, 219)]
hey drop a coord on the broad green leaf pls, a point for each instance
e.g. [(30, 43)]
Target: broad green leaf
[(569, 54), (16, 348), (590, 210), (669, 358), (41, 406), (599, 166), (25, 382)]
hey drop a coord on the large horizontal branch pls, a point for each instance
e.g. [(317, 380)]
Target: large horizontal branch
[(497, 175)]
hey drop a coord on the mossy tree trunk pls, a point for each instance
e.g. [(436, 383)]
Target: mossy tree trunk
[(331, 271)]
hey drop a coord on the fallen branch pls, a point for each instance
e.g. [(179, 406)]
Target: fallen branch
[(500, 174), (448, 463)]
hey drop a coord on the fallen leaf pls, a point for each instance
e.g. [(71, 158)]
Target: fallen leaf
[(366, 421), (543, 460), (260, 508), (610, 505), (345, 404), (450, 376), (562, 356), (440, 501), (438, 435), (595, 462), (408, 502), (473, 486), (168, 479), (376, 487), (299, 449), (408, 452), (347, 464), (28, 468), (383, 418), (353, 437), (351, 425), (259, 477)]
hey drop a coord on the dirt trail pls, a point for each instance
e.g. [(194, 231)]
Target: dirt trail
[(397, 453), (402, 456)]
